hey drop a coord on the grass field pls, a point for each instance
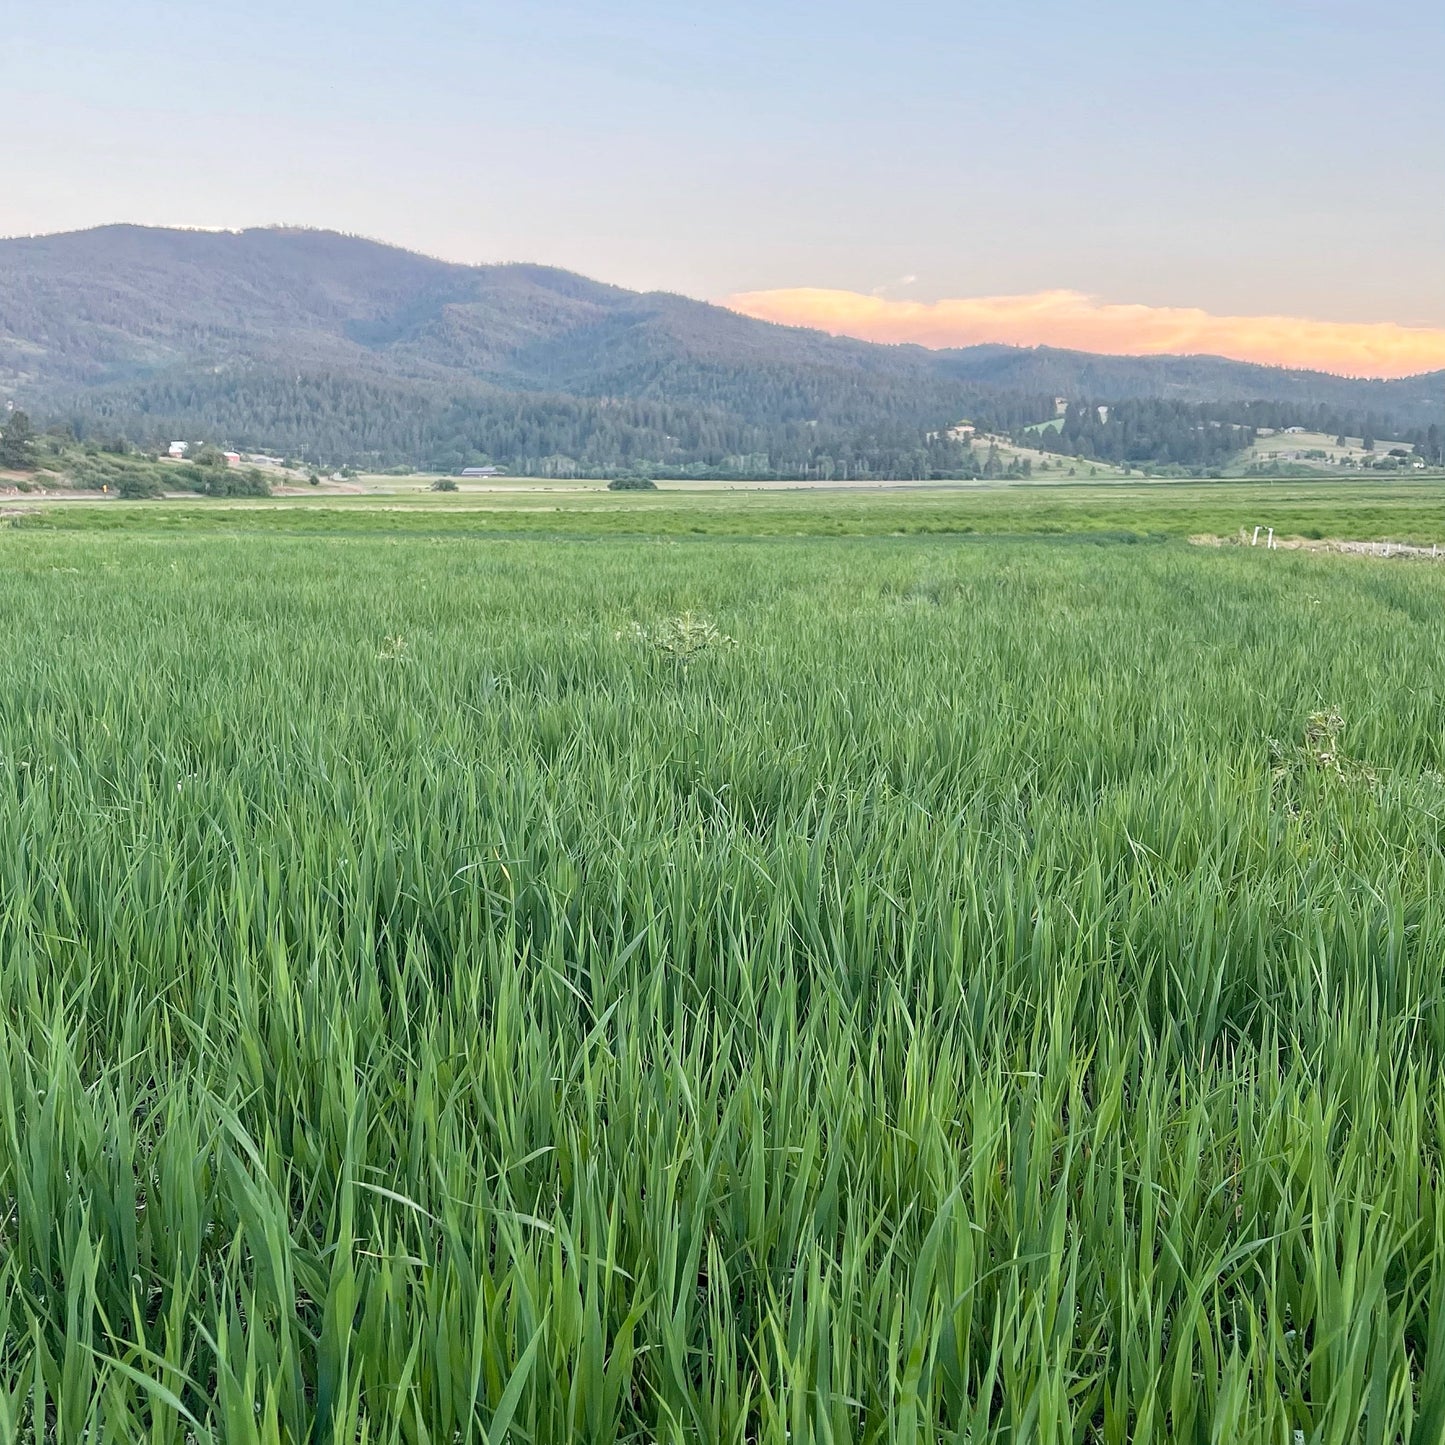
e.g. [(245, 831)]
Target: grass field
[(633, 973), (1403, 510)]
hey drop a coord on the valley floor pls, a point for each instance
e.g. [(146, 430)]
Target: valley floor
[(1401, 510)]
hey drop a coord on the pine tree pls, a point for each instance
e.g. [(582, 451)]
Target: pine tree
[(17, 443)]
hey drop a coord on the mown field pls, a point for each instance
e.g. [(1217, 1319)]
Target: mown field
[(461, 986)]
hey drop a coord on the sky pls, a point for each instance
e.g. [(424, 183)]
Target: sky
[(1263, 178)]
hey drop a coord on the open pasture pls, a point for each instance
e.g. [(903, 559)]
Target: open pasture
[(1401, 510), (648, 982)]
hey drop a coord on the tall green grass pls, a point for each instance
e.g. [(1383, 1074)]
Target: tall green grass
[(976, 1003)]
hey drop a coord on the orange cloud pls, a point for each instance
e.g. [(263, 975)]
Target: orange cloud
[(1071, 319)]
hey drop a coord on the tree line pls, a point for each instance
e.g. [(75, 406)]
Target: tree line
[(785, 431), (690, 420), (1206, 435)]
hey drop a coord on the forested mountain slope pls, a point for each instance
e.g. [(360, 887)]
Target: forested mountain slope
[(343, 349)]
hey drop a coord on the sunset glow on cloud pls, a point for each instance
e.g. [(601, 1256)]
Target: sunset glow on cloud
[(1071, 319)]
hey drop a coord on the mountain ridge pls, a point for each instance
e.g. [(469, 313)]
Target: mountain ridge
[(348, 347)]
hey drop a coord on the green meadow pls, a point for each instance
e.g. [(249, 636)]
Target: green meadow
[(1407, 510), (957, 966)]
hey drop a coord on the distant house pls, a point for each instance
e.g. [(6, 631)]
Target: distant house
[(1294, 431), (1061, 406), (177, 450), (481, 471), (233, 459)]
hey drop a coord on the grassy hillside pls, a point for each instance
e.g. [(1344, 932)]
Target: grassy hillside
[(1332, 454), (62, 464)]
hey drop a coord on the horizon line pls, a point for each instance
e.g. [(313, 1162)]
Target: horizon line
[(1375, 351)]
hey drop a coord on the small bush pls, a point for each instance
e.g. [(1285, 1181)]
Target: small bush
[(138, 487), (231, 483), (632, 484), (444, 484)]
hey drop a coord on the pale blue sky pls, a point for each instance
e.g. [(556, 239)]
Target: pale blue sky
[(1240, 155)]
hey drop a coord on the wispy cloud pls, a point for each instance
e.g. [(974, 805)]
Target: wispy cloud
[(1072, 319), (900, 283)]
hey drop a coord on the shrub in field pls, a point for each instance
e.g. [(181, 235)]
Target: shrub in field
[(232, 482), (139, 485)]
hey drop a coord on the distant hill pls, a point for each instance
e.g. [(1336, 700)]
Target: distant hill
[(1412, 402), (343, 349)]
